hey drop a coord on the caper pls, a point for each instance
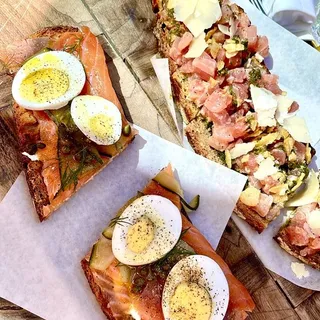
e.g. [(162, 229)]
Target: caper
[(166, 267), (41, 145), (127, 130), (32, 149), (77, 157), (89, 158), (136, 289), (65, 149), (138, 281), (143, 271)]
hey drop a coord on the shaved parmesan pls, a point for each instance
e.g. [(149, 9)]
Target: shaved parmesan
[(266, 168), (307, 195), (289, 214), (224, 29), (313, 219), (265, 104), (266, 118), (259, 57), (297, 127), (183, 9), (299, 269), (31, 156), (195, 27), (284, 104), (241, 149), (197, 46), (206, 13)]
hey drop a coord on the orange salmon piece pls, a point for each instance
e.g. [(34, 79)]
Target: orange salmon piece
[(49, 154), (240, 301)]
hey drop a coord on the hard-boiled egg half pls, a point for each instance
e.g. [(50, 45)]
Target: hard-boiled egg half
[(196, 288), (146, 231), (98, 119), (48, 81)]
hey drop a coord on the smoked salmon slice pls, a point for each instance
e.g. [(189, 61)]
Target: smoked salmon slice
[(86, 45), (49, 136), (240, 300)]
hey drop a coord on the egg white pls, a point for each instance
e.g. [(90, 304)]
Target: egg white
[(168, 225), (59, 60), (86, 108), (205, 272)]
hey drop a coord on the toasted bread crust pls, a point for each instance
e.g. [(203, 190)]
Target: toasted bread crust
[(250, 216), (53, 32), (283, 241), (37, 187), (198, 136), (102, 299)]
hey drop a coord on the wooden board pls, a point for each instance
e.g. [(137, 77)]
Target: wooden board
[(125, 29)]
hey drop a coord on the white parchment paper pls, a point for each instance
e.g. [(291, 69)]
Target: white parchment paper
[(298, 66), (40, 262), (161, 68)]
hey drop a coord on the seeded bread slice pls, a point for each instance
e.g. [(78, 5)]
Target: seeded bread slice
[(312, 260), (196, 129), (27, 130)]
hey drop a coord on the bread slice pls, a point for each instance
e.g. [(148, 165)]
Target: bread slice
[(108, 282), (97, 290), (283, 240), (27, 128)]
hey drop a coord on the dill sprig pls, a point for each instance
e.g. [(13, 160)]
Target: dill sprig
[(72, 48), (120, 221), (177, 250), (71, 176)]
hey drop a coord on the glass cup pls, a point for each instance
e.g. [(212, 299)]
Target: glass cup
[(316, 25)]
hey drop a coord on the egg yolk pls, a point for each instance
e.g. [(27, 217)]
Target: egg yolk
[(190, 301), (140, 235), (101, 125), (44, 85)]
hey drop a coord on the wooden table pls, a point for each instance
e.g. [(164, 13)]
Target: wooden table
[(125, 29)]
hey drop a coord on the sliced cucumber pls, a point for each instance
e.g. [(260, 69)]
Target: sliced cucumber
[(125, 272), (101, 255), (36, 54), (169, 182), (193, 205), (108, 232)]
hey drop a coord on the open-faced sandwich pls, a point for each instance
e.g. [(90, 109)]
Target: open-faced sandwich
[(152, 263), (300, 235), (69, 121), (234, 110)]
